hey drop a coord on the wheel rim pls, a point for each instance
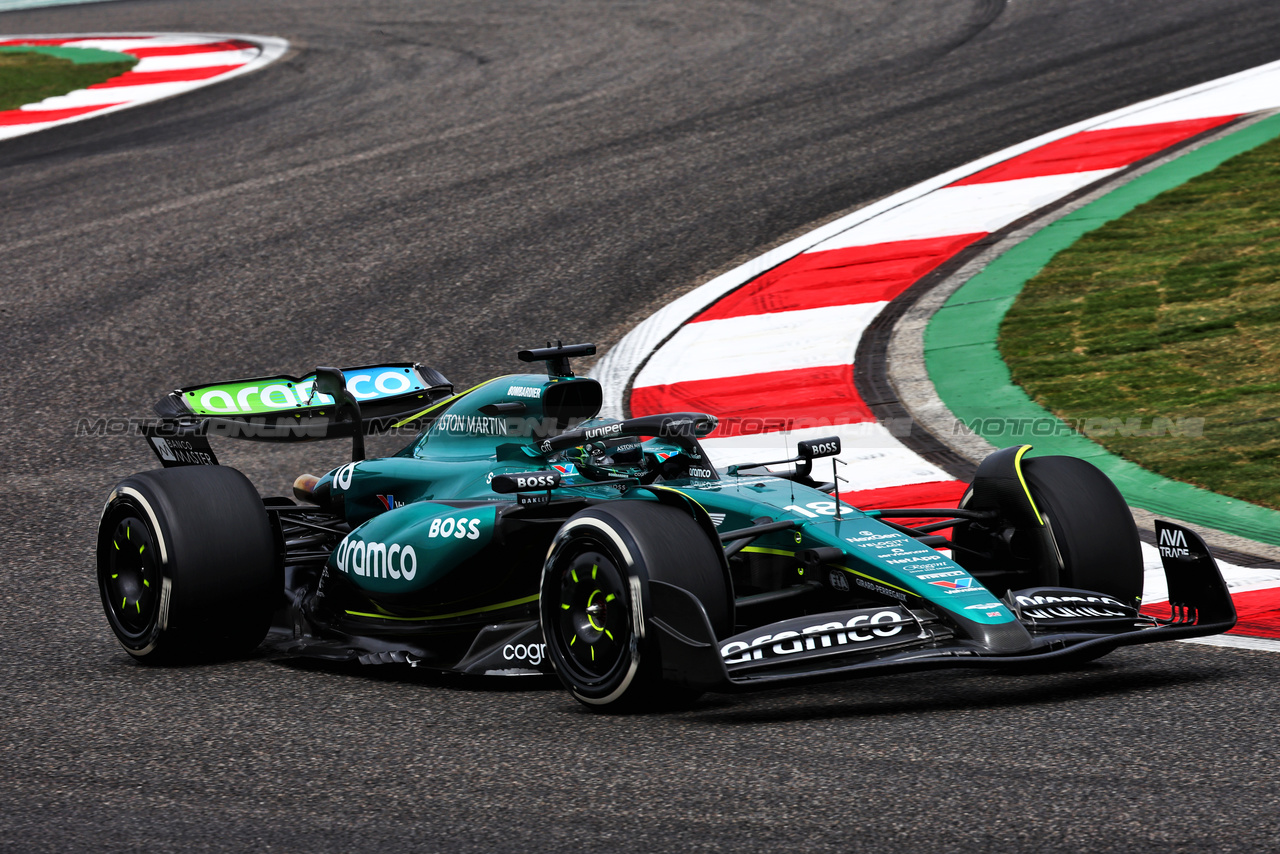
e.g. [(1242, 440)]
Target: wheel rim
[(129, 575), (593, 619)]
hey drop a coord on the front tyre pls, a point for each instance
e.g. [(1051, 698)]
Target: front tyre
[(595, 605), (187, 566), (1087, 540)]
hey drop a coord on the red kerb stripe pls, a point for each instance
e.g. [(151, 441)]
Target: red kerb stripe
[(35, 42), (857, 274), (31, 117), (938, 493), (1094, 149), (183, 50), (758, 403), (141, 78), (1258, 612)]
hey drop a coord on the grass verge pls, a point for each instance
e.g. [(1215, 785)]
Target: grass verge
[(1171, 311), (28, 77)]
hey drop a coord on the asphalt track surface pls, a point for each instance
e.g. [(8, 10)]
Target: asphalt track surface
[(448, 182)]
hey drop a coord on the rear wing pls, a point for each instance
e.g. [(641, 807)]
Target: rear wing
[(292, 409)]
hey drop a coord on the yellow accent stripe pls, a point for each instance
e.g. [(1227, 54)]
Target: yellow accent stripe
[(654, 486), (1017, 466), (451, 399), (525, 601), (765, 551), (878, 580)]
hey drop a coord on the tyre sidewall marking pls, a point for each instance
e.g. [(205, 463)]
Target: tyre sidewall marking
[(166, 583), (637, 605)]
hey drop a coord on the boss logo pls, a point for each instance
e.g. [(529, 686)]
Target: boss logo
[(457, 528), (820, 447), (525, 481)]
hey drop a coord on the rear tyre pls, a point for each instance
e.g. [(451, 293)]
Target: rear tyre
[(1092, 543), (187, 565), (595, 602)]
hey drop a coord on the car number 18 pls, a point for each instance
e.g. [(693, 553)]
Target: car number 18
[(814, 509)]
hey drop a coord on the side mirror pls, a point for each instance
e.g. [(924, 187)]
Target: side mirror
[(812, 448), (331, 381)]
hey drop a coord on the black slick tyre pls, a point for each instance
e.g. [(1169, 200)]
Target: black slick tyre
[(595, 604), (1091, 542), (187, 565), (1092, 526)]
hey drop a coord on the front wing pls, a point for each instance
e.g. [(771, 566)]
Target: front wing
[(1061, 626)]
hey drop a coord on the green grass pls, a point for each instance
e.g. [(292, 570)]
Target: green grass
[(1172, 311), (29, 77)]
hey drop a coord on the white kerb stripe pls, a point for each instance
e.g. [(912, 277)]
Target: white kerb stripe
[(1238, 642), (873, 458), (120, 45), (1252, 95), (760, 343), (184, 61), (114, 95), (1239, 579), (967, 209)]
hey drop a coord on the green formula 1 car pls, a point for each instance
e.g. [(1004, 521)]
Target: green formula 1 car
[(519, 534)]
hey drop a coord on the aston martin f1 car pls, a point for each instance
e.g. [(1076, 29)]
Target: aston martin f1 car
[(518, 534)]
